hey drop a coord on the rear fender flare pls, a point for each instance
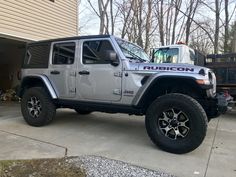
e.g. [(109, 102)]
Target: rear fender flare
[(43, 79)]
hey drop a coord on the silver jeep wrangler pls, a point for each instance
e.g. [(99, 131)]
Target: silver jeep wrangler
[(109, 74)]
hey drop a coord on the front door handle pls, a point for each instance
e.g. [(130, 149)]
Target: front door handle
[(55, 72), (84, 72)]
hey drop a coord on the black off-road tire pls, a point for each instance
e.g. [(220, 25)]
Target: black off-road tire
[(47, 110), (190, 112), (82, 112)]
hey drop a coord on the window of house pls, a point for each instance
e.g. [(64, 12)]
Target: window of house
[(94, 52), (63, 53)]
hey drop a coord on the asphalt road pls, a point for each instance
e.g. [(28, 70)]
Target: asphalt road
[(119, 137)]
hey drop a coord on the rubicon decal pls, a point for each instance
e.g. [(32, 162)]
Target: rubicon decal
[(167, 68)]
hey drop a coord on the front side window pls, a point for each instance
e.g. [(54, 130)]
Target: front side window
[(94, 52), (166, 55), (63, 53)]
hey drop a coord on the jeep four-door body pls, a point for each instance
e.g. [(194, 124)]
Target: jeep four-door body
[(108, 74)]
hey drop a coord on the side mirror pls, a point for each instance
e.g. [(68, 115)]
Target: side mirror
[(112, 57)]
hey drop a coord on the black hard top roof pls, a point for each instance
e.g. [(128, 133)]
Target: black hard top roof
[(225, 55), (69, 38)]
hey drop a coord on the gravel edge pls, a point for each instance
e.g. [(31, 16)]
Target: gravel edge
[(96, 166)]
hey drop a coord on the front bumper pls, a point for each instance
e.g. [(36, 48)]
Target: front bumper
[(214, 106)]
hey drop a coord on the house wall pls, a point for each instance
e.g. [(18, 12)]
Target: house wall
[(38, 19)]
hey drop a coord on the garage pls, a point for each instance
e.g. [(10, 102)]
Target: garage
[(11, 55), (25, 21)]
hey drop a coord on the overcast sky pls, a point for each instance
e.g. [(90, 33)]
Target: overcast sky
[(89, 21)]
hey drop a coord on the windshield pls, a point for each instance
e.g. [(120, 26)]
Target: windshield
[(132, 51), (165, 55)]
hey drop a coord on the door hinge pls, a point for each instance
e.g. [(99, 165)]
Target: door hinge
[(117, 91), (118, 74), (72, 90)]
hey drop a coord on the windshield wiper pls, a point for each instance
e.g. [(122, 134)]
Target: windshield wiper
[(134, 56)]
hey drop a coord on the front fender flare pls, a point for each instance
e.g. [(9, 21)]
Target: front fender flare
[(153, 80)]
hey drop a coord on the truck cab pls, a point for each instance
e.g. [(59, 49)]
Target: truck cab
[(177, 53)]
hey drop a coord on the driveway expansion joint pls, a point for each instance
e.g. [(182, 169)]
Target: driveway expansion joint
[(212, 144), (34, 139)]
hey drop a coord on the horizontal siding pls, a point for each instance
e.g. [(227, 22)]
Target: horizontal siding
[(37, 15), (38, 19)]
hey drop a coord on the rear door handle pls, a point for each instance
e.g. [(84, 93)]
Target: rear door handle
[(84, 72), (55, 72)]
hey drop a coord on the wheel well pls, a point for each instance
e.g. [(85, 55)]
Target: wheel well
[(164, 86), (31, 82)]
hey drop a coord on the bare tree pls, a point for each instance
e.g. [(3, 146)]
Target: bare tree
[(199, 39), (233, 38), (167, 21), (178, 4), (126, 15), (112, 18), (172, 19), (137, 21), (102, 13), (160, 16), (193, 5), (148, 25), (217, 25), (234, 42), (226, 35)]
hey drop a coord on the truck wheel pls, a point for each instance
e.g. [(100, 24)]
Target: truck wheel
[(81, 111), (176, 123), (37, 107)]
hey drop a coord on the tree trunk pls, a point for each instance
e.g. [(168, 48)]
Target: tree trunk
[(226, 37), (217, 26), (192, 10), (102, 17), (148, 25), (234, 38), (160, 21), (139, 23), (176, 13)]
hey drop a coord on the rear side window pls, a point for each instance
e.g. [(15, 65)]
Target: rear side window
[(63, 53), (37, 56)]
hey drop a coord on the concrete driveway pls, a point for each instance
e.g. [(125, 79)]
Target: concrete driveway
[(116, 136)]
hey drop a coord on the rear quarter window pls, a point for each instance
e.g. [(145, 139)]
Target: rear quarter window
[(37, 56)]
